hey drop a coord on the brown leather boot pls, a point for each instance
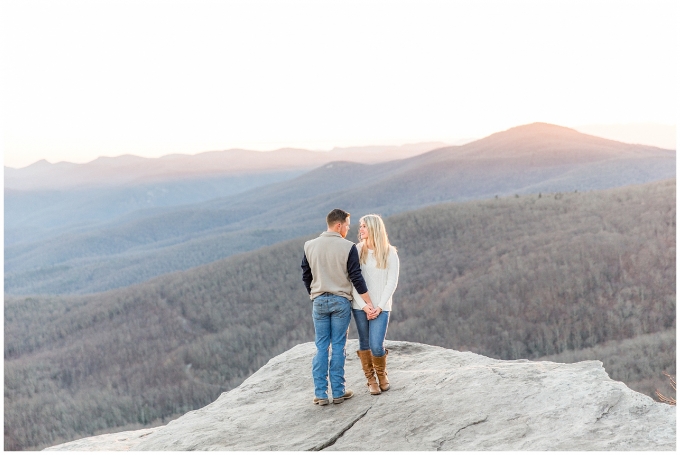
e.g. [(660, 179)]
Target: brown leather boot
[(380, 365), (367, 365)]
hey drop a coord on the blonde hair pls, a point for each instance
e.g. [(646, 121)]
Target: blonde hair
[(378, 236)]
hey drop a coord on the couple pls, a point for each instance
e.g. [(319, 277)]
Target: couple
[(343, 278)]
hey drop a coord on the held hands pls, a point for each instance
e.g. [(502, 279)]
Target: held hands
[(371, 313)]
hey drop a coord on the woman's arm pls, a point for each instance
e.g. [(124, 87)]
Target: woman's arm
[(392, 278)]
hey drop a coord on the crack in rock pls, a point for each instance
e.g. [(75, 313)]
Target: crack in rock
[(531, 396), (606, 411), (439, 448), (445, 378), (339, 434), (502, 375)]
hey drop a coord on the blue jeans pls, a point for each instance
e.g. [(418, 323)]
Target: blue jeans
[(372, 333), (332, 315)]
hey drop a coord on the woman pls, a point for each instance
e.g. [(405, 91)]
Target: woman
[(380, 268)]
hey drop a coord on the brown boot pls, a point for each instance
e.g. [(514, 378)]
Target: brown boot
[(367, 365), (380, 363)]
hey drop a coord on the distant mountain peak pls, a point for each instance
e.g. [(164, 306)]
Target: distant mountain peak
[(39, 164), (539, 133), (127, 158), (541, 128)]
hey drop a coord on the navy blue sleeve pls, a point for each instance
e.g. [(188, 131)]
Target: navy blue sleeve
[(306, 274), (354, 271)]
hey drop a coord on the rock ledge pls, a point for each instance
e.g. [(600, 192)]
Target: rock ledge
[(440, 399)]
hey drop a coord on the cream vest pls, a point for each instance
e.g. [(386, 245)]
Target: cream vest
[(327, 256)]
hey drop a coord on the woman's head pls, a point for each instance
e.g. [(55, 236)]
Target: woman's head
[(373, 234)]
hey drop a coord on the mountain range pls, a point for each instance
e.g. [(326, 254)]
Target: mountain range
[(130, 169), (44, 199), (136, 246), (574, 275)]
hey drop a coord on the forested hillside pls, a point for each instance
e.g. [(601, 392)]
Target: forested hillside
[(634, 361), (512, 277), (523, 160)]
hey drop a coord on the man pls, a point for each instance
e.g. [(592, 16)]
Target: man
[(330, 266)]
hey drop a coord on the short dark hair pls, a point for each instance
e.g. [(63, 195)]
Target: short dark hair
[(336, 216)]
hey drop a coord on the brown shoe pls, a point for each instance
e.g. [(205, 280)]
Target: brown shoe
[(321, 401), (380, 365), (367, 365), (348, 394)]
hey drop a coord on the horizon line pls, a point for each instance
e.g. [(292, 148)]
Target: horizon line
[(456, 142)]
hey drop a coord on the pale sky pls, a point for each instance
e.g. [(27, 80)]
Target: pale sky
[(83, 79)]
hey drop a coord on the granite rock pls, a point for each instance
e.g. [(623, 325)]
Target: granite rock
[(440, 399)]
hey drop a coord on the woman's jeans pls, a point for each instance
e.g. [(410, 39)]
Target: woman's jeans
[(372, 332), (331, 314)]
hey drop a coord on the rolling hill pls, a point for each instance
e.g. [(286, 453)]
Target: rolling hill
[(527, 159), (513, 277)]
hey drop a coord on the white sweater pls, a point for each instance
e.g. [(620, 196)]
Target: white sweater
[(381, 283)]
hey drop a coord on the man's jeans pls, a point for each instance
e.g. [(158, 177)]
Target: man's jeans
[(332, 315), (372, 332)]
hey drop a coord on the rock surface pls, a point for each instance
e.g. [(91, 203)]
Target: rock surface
[(440, 399)]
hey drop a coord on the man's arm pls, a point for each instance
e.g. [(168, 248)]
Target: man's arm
[(354, 272), (306, 274)]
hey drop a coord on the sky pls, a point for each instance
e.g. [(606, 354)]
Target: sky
[(82, 79)]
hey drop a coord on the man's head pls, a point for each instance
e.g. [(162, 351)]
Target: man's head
[(338, 221)]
